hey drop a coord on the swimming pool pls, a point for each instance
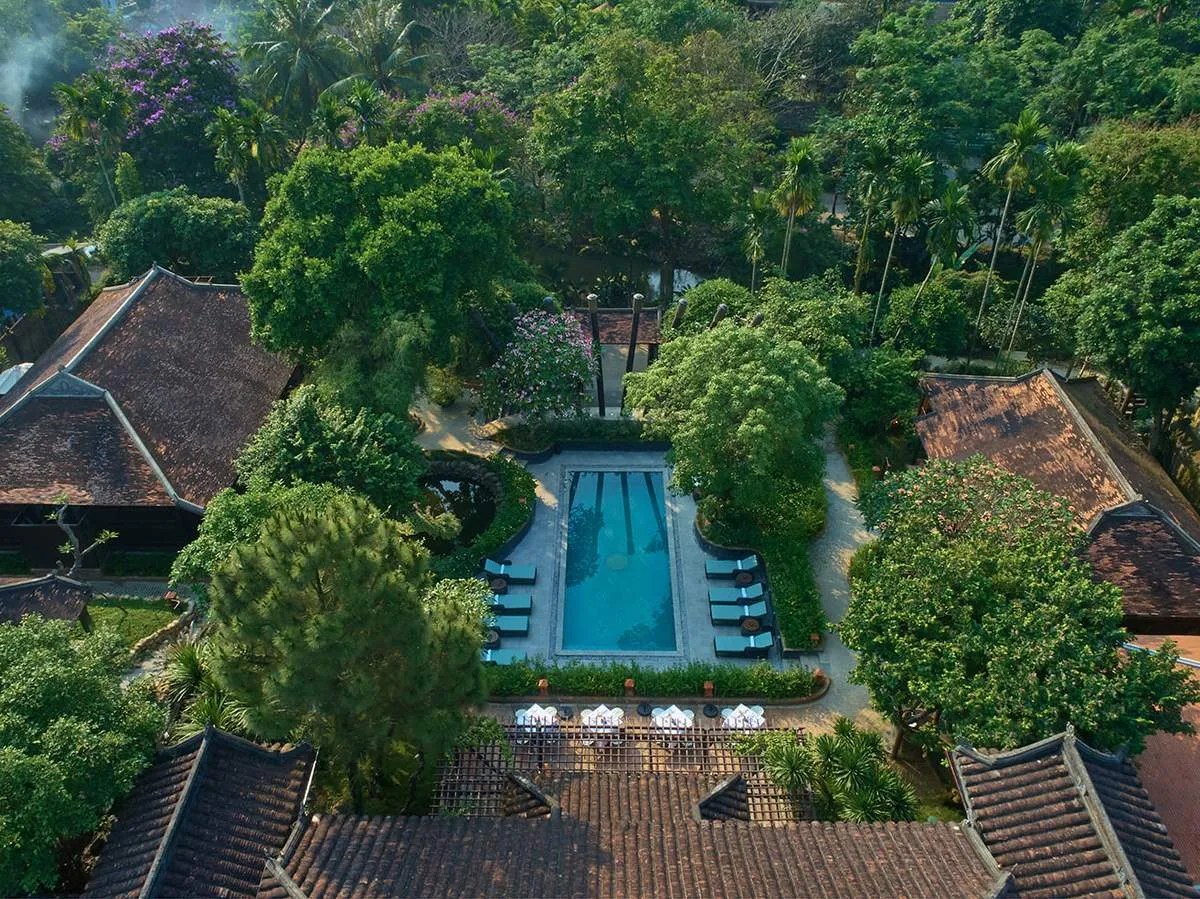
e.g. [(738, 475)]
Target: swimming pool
[(618, 566)]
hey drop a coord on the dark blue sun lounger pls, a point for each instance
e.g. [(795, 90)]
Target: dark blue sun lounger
[(501, 656), (736, 595), (726, 614), (729, 567), (517, 574), (509, 625), (754, 645), (513, 603)]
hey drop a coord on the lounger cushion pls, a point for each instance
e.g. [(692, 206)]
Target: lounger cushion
[(736, 595), (511, 602)]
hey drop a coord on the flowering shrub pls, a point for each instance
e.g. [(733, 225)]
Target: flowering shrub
[(446, 120), (544, 369)]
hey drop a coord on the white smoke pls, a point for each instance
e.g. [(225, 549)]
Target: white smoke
[(22, 60)]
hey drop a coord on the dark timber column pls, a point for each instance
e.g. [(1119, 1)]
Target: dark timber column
[(592, 300), (633, 339), (722, 311)]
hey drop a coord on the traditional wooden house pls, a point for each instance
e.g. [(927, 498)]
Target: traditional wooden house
[(133, 417)]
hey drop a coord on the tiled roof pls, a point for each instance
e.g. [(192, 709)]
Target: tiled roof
[(1024, 425), (1168, 769), (52, 596), (615, 325), (174, 363), (1156, 565), (1067, 439), (202, 819), (359, 857), (1069, 821)]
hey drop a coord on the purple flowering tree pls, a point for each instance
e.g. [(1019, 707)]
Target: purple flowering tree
[(446, 120), (543, 371)]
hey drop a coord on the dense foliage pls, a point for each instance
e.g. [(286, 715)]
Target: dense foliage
[(975, 617), (189, 235), (329, 627), (545, 370), (21, 270), (307, 440), (72, 741)]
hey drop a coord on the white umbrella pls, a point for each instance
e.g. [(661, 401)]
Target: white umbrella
[(744, 717), (537, 716), (674, 718)]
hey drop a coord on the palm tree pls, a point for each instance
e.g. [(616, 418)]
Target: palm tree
[(378, 47), (759, 216), (366, 105), (300, 58), (329, 121), (228, 134), (95, 111), (1015, 164), (911, 183), (947, 217), (799, 190), (266, 136), (1055, 191), (874, 182)]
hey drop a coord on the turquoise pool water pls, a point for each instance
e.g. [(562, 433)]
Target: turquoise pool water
[(618, 593)]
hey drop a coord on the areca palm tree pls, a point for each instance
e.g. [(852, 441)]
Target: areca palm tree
[(759, 215), (911, 184), (366, 106), (329, 121), (228, 134), (300, 57), (947, 217), (267, 138), (799, 189), (873, 178), (1014, 164), (377, 45), (95, 111)]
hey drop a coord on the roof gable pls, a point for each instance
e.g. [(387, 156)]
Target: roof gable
[(51, 596), (1068, 821)]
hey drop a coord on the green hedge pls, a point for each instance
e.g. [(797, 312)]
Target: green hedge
[(512, 512), (13, 563), (580, 679), (138, 564), (531, 438), (781, 535)]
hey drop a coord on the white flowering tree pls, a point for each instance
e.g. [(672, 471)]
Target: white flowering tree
[(544, 369)]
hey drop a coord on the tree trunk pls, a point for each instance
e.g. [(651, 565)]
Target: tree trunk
[(107, 181), (1025, 296), (667, 272), (882, 284), (860, 263), (241, 191), (991, 271), (1012, 307), (787, 243), (357, 796), (898, 740), (917, 298), (753, 275)]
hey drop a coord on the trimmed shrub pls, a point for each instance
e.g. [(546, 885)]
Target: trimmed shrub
[(532, 437)]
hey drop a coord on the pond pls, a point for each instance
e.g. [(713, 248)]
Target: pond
[(614, 278), (472, 503)]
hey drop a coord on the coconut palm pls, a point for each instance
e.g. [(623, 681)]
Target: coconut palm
[(911, 183), (799, 189), (377, 45), (947, 218), (95, 111), (759, 216), (1014, 164), (300, 57), (873, 178)]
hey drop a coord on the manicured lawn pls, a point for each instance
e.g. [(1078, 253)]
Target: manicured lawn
[(131, 616)]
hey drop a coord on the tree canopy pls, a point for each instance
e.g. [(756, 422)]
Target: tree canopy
[(21, 269), (353, 238), (739, 407), (975, 617), (544, 371), (72, 741), (328, 629)]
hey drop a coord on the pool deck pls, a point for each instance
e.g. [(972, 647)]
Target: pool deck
[(545, 547)]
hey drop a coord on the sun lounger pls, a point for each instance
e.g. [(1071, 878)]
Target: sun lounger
[(501, 656), (509, 625), (727, 614), (755, 645), (736, 595), (512, 603), (517, 574), (729, 567)]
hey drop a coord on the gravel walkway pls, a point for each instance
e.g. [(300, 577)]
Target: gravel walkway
[(452, 428), (830, 554)]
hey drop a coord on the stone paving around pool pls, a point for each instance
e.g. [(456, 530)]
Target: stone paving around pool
[(545, 547)]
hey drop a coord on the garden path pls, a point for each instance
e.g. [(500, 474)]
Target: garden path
[(453, 427), (830, 554)]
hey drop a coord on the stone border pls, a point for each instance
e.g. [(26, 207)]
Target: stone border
[(570, 444), (824, 681), (156, 640)]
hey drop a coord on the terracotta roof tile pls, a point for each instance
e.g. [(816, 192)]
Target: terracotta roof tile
[(201, 820), (1168, 770), (615, 325), (351, 857), (177, 360), (51, 596), (1068, 821)]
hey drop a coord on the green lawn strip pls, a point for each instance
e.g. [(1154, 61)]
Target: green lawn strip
[(579, 679), (130, 616)]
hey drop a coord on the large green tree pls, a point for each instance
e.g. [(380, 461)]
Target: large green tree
[(645, 144), (1141, 315), (327, 629), (741, 408), (354, 238), (21, 269), (975, 618), (72, 742), (308, 440), (190, 235), (27, 183)]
